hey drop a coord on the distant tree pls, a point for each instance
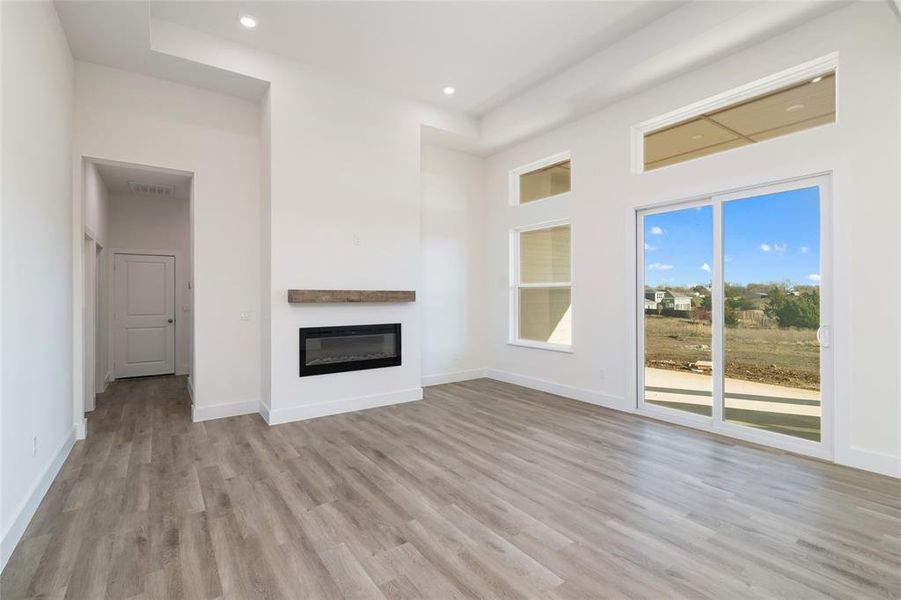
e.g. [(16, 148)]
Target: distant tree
[(739, 297), (796, 309), (730, 319)]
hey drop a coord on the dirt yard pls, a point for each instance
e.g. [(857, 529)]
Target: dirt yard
[(778, 356)]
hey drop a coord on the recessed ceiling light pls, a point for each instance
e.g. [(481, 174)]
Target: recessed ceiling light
[(449, 91), (794, 107), (247, 21), (817, 79)]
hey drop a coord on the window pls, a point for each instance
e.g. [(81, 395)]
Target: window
[(543, 179), (542, 286), (787, 102)]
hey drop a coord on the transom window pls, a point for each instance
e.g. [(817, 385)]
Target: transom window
[(542, 286), (784, 103), (546, 178)]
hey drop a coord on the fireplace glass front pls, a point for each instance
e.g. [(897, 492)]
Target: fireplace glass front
[(349, 348)]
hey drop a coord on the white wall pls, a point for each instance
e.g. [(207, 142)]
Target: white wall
[(343, 211), (37, 276), (266, 259), (96, 204), (861, 151), (344, 214), (162, 224), (452, 296), (136, 119), (96, 219)]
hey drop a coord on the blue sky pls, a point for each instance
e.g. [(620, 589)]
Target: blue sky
[(775, 237)]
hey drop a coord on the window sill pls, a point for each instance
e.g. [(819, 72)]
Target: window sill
[(541, 346), (516, 202)]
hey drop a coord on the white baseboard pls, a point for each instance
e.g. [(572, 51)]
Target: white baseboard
[(29, 506), (866, 460), (324, 409), (567, 391), (452, 377), (220, 411), (876, 462), (105, 382), (81, 429), (264, 412)]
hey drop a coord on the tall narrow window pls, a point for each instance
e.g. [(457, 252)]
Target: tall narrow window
[(543, 286)]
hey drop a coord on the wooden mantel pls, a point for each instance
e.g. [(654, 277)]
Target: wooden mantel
[(324, 296)]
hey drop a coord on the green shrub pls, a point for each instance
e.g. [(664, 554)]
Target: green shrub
[(794, 310)]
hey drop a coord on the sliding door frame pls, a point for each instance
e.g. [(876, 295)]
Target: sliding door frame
[(715, 423)]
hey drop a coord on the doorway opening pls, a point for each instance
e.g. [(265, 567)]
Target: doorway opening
[(137, 261), (735, 309)]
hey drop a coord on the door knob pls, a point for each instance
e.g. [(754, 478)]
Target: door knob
[(170, 320)]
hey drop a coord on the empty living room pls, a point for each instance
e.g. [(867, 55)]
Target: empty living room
[(450, 299)]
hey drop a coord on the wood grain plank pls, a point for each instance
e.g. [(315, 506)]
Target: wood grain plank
[(353, 296), (482, 490)]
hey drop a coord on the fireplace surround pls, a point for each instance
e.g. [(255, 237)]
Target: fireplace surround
[(349, 348)]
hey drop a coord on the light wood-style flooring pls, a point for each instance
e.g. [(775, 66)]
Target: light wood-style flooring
[(482, 490)]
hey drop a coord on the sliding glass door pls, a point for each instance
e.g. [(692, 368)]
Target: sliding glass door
[(678, 337), (733, 296), (771, 299)]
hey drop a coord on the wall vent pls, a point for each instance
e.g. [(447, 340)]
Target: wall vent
[(151, 189)]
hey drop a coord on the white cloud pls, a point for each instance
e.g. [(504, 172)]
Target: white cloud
[(765, 247), (649, 247), (780, 247), (655, 230), (804, 249), (705, 267), (814, 277), (659, 267)]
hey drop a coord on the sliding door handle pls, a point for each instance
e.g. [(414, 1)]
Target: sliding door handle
[(824, 336)]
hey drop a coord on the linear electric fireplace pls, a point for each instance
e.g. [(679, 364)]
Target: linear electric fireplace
[(351, 348)]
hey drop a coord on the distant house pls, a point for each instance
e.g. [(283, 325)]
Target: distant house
[(655, 296), (665, 299), (672, 301)]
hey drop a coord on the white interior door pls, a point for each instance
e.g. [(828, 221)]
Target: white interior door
[(144, 315)]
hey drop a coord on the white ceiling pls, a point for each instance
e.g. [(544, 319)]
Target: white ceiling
[(117, 34), (520, 68), (117, 175), (489, 51)]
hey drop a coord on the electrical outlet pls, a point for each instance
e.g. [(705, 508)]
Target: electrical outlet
[(245, 315), (356, 240), (34, 446)]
